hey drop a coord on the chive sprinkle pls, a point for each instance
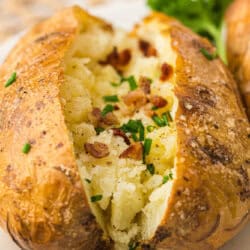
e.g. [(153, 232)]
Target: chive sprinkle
[(165, 119), (131, 81), (11, 80), (134, 137), (150, 128), (88, 180), (151, 168), (107, 109), (208, 55), (98, 130), (96, 198), (166, 178), (111, 98), (147, 146), (158, 121), (26, 148), (132, 126)]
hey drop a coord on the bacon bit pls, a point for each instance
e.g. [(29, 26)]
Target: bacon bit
[(166, 71), (134, 151), (97, 149), (158, 101), (144, 84), (118, 60), (99, 121), (147, 49), (137, 98), (119, 132)]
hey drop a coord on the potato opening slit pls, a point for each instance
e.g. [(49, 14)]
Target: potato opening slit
[(119, 106)]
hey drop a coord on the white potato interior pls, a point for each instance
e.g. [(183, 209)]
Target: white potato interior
[(131, 200)]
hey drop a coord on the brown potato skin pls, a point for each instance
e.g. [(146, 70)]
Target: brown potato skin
[(238, 46), (210, 198), (42, 201)]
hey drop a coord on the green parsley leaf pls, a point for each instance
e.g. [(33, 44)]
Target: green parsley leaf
[(96, 198), (26, 148), (11, 80)]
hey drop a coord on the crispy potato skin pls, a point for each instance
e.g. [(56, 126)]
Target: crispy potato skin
[(238, 46), (209, 201), (42, 201)]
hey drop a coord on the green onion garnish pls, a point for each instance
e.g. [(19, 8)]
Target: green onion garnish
[(114, 84), (88, 180), (98, 130), (132, 126), (96, 198), (166, 178), (141, 132), (158, 121), (150, 128), (147, 146), (134, 136), (154, 108), (165, 119), (111, 98), (107, 109), (11, 80), (26, 148), (151, 168), (170, 118), (131, 81), (208, 55)]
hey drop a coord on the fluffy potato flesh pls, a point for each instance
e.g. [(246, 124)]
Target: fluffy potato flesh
[(119, 106)]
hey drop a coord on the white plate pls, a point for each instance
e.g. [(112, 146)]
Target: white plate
[(123, 14)]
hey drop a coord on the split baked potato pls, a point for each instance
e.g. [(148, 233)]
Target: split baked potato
[(238, 46), (111, 140)]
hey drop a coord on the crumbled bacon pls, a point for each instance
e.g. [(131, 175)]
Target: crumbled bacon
[(166, 71), (101, 121), (97, 149), (119, 132), (144, 84), (158, 101), (134, 151), (118, 59), (147, 49), (137, 98)]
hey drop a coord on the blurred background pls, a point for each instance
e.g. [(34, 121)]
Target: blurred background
[(18, 15)]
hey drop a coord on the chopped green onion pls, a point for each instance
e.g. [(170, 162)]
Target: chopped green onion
[(131, 81), (147, 146), (208, 55), (98, 130), (26, 148), (96, 198), (107, 109), (11, 80), (158, 121), (132, 126), (88, 180), (165, 119), (111, 98), (151, 168), (150, 128), (134, 136), (141, 132), (166, 178), (114, 84)]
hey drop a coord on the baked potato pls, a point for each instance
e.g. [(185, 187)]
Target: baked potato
[(110, 140), (238, 46)]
